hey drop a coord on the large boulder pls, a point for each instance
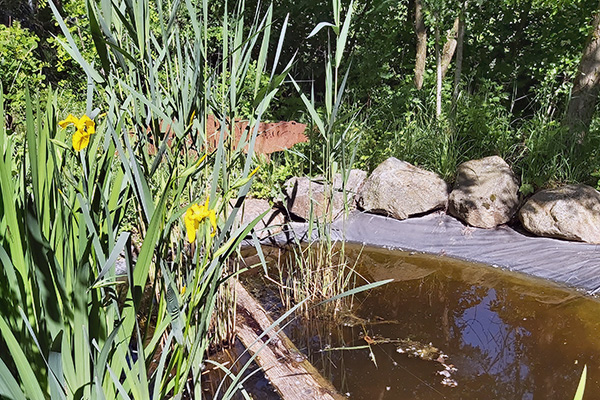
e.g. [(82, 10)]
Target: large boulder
[(354, 180), (306, 198), (485, 194), (569, 212), (269, 225), (399, 189)]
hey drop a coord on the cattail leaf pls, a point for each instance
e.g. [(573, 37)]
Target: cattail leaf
[(317, 28), (311, 109), (262, 55), (279, 45), (160, 370), (114, 254), (29, 381), (9, 387), (341, 40), (56, 379), (97, 36), (581, 386), (328, 86)]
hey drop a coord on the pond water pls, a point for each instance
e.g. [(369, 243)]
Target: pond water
[(447, 329)]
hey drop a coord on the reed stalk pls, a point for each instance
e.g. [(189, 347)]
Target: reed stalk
[(65, 213), (319, 269)]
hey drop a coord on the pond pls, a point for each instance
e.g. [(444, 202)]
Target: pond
[(447, 329)]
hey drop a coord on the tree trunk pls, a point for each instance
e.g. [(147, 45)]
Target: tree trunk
[(586, 85), (450, 46), (459, 51), (438, 63), (421, 44)]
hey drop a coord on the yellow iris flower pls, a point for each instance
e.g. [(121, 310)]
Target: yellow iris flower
[(196, 214), (84, 127)]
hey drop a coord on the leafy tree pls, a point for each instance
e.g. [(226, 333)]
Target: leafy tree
[(586, 85)]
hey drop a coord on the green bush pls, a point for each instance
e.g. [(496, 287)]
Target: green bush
[(274, 172), (482, 123), (549, 156), (19, 67)]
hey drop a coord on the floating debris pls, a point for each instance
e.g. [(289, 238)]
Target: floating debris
[(447, 372), (449, 382), (426, 352), (412, 348)]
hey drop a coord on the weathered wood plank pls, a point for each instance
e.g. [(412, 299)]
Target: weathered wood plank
[(286, 368)]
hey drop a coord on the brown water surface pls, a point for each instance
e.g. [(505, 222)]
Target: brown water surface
[(508, 336)]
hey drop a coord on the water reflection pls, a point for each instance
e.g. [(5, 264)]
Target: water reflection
[(509, 337)]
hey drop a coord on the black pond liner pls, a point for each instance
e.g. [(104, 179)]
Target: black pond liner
[(570, 263)]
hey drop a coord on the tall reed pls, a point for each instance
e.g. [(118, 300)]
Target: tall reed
[(319, 269), (67, 333)]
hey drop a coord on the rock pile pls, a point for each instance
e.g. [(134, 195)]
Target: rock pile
[(485, 195)]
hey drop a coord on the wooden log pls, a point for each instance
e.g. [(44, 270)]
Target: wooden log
[(290, 373)]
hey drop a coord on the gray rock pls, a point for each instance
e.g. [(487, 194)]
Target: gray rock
[(355, 180), (271, 224), (399, 189), (569, 212), (306, 197), (485, 194)]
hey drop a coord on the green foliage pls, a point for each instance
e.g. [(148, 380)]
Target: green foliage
[(75, 14), (596, 174), (76, 331), (273, 173), (521, 43), (519, 62), (28, 60), (246, 105), (479, 127), (482, 123), (550, 156), (147, 65), (19, 67)]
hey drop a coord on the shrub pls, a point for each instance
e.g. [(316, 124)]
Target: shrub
[(19, 67)]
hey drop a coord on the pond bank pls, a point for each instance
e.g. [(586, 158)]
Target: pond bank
[(572, 264)]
